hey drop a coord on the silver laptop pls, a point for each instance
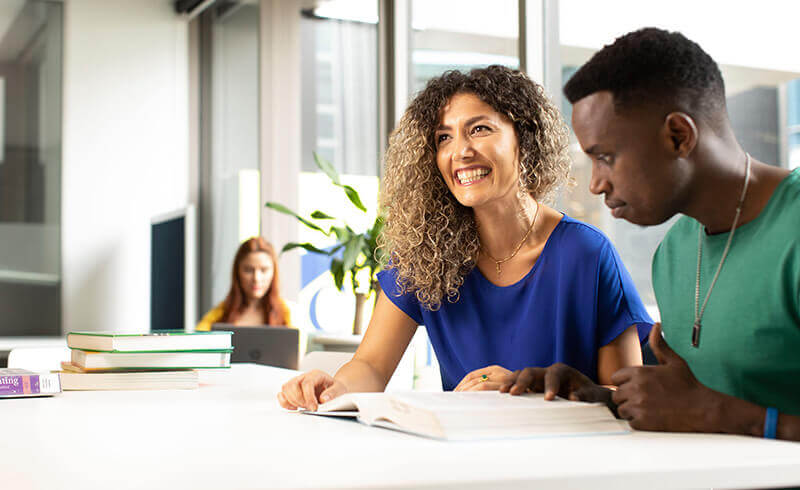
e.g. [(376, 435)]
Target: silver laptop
[(271, 346)]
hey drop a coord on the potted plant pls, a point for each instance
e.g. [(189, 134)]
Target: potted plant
[(359, 249)]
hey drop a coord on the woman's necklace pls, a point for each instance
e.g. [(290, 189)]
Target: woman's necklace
[(698, 312), (516, 250)]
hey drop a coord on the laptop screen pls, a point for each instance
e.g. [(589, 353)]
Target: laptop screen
[(277, 346)]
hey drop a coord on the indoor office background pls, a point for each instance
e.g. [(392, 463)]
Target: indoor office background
[(114, 112)]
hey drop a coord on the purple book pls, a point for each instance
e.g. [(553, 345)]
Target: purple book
[(21, 383)]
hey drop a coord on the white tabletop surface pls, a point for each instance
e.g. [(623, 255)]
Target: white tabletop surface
[(231, 434)]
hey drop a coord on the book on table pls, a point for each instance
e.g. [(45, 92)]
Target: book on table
[(168, 340), (15, 383), (94, 361), (474, 415), (74, 378)]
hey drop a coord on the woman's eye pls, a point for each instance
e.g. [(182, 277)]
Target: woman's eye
[(480, 129), (441, 138)]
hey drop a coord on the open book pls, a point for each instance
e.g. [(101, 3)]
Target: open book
[(474, 415)]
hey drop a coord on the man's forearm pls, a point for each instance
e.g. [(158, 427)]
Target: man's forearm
[(732, 415)]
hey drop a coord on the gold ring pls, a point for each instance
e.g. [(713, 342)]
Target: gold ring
[(483, 378)]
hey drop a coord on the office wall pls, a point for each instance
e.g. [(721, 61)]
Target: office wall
[(125, 153)]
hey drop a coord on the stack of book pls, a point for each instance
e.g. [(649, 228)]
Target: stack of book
[(162, 360)]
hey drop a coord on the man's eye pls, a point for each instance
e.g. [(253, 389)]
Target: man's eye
[(604, 159)]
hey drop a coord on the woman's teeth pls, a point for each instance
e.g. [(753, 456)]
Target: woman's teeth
[(470, 176)]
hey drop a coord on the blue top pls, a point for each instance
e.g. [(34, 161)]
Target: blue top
[(577, 298)]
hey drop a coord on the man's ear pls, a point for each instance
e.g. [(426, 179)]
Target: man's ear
[(680, 133)]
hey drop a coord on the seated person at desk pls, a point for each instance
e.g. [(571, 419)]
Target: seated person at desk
[(254, 297), (498, 278), (650, 111)]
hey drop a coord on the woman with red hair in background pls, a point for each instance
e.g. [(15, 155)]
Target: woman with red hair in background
[(254, 297)]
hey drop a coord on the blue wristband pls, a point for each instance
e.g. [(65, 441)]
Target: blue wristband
[(771, 423)]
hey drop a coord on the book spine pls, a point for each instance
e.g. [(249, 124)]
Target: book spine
[(29, 384)]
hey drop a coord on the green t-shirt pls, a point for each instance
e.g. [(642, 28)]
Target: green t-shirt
[(750, 339)]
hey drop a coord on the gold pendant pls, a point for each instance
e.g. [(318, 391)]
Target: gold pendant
[(499, 272)]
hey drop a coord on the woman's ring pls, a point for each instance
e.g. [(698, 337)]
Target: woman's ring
[(483, 378)]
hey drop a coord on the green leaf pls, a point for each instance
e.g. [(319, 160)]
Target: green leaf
[(307, 246), (337, 270), (327, 167), (320, 215), (283, 209), (354, 197), (343, 234), (371, 236), (351, 252), (377, 227)]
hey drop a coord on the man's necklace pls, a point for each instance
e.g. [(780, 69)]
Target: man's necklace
[(698, 312), (516, 250)]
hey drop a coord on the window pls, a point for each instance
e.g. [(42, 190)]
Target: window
[(793, 122), (339, 46), (756, 69), (461, 35)]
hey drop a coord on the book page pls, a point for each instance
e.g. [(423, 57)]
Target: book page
[(342, 406), (494, 415), (482, 400)]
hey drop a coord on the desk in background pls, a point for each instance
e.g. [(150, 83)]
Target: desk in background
[(322, 341), (7, 344), (230, 433)]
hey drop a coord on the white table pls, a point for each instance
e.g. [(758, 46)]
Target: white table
[(230, 433)]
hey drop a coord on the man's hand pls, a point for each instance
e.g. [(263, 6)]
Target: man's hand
[(558, 379), (666, 397), (489, 378)]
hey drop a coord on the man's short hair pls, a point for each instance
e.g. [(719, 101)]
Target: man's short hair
[(653, 67)]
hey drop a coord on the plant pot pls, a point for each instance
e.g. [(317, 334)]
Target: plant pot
[(360, 321)]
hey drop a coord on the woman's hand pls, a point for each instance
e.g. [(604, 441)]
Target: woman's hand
[(558, 379), (489, 378), (309, 390)]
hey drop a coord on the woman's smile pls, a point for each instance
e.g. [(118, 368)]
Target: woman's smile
[(471, 175)]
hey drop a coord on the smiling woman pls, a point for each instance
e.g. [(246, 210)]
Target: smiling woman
[(499, 279)]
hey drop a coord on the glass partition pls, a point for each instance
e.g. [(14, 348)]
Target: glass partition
[(461, 35), (230, 174), (30, 167)]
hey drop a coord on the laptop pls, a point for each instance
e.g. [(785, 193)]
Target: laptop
[(263, 344)]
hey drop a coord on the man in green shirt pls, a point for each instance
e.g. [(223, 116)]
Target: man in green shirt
[(649, 110)]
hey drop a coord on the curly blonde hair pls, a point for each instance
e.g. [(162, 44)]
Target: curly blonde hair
[(429, 237)]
